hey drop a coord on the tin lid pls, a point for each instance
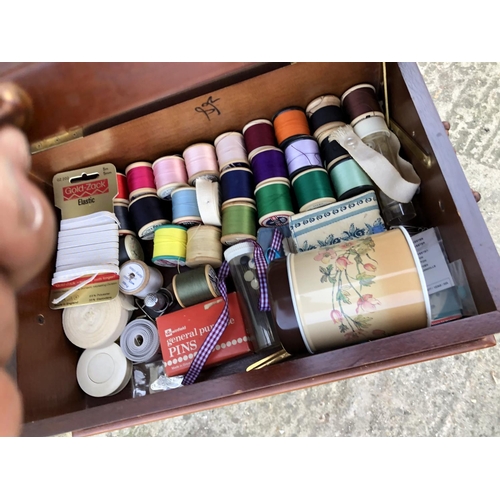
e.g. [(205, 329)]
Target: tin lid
[(102, 372), (243, 248)]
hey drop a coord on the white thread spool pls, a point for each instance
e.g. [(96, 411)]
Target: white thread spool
[(139, 279), (230, 149)]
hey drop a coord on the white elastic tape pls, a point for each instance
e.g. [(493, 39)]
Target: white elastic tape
[(91, 220), (83, 231), (399, 185), (66, 276), (207, 198), (88, 248)]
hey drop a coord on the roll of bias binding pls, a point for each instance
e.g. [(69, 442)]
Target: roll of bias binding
[(195, 286), (139, 341), (98, 324), (207, 198)]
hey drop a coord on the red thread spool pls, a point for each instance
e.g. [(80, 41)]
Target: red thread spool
[(123, 194), (360, 102), (290, 122), (258, 134), (140, 179)]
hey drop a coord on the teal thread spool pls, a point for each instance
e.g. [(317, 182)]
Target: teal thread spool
[(312, 189), (349, 179), (274, 203)]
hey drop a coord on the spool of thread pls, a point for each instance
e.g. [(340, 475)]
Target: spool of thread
[(169, 174), (230, 149), (195, 286), (331, 151), (121, 212), (207, 197), (349, 179), (258, 134), (290, 122), (274, 204), (185, 207), (238, 223), (98, 324), (312, 189), (201, 162), (237, 184), (129, 249), (139, 341), (203, 246), (324, 113), (302, 153), (269, 163), (123, 193), (147, 213), (169, 248), (360, 102), (139, 279), (140, 179)]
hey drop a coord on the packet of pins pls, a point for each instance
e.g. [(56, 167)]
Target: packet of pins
[(87, 250)]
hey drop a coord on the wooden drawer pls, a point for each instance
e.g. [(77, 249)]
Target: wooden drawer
[(46, 361)]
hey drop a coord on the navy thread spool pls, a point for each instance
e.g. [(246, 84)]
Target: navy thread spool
[(331, 151), (121, 211), (302, 153), (237, 184), (185, 207), (230, 151), (258, 134), (324, 114), (269, 163), (129, 249), (147, 213)]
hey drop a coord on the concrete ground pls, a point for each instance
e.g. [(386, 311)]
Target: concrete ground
[(455, 396)]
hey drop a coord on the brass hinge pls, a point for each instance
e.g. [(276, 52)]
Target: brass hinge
[(57, 140), (410, 144)]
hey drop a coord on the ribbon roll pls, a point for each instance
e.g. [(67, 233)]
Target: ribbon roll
[(207, 197), (139, 341), (99, 324)]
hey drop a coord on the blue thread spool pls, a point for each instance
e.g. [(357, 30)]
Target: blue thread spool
[(185, 207), (237, 186)]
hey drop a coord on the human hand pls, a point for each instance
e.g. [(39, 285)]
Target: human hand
[(27, 240)]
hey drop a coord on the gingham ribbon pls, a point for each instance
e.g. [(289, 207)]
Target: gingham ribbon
[(223, 320)]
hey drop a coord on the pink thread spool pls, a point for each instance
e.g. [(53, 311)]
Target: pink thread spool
[(169, 173), (140, 179), (201, 162), (258, 134), (231, 152)]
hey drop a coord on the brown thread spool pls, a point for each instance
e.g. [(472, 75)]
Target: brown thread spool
[(360, 102), (290, 122)]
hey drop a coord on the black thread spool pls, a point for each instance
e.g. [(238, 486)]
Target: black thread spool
[(121, 211), (147, 213), (324, 114)]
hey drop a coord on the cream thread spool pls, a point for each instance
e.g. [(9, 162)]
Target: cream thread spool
[(139, 279), (208, 199), (204, 246)]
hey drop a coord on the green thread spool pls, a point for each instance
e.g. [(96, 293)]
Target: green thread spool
[(312, 189), (238, 223), (274, 203), (195, 286), (349, 179)]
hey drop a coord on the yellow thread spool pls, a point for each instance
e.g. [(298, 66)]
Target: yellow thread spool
[(170, 246)]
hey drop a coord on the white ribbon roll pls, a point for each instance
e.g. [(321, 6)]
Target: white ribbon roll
[(207, 198), (98, 324), (140, 341)]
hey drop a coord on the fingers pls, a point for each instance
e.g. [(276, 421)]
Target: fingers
[(447, 127), (27, 224)]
